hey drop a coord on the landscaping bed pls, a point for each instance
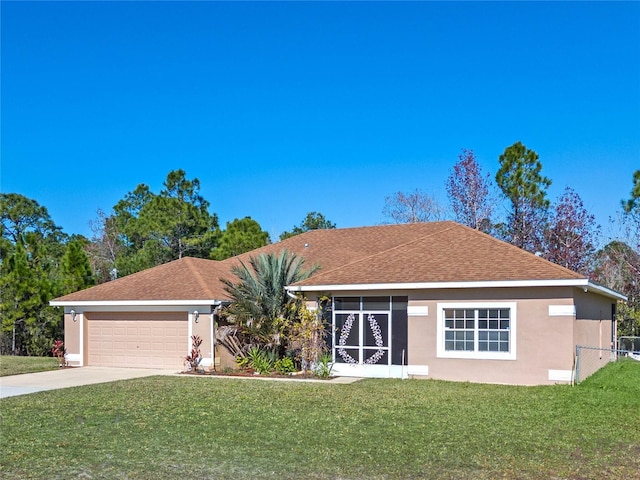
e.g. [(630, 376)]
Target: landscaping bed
[(250, 374)]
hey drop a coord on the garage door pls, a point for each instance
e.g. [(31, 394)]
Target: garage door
[(140, 340)]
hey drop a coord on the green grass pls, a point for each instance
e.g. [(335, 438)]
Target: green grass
[(203, 427), (15, 365)]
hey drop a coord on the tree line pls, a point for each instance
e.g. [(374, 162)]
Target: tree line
[(564, 232), (38, 261)]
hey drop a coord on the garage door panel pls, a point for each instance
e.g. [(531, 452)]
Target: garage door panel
[(174, 347), (145, 331), (137, 342), (172, 330), (104, 330), (108, 359), (148, 361), (161, 332)]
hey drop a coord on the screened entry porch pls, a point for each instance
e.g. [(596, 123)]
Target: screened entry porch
[(369, 336)]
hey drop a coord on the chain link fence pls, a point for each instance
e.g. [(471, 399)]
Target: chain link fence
[(591, 359), (629, 344)]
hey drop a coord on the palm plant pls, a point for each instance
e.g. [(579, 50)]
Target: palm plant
[(261, 309)]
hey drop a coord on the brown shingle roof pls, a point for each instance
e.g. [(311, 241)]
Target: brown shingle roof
[(407, 253), (184, 279), (335, 248), (442, 252)]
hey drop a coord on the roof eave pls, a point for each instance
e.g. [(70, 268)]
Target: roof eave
[(131, 303), (574, 282), (607, 292)]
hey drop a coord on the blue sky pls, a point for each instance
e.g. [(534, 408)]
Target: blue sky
[(285, 108)]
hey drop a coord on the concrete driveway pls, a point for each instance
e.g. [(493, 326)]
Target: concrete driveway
[(70, 377)]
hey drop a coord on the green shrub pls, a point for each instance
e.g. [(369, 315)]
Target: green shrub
[(284, 365), (261, 361), (262, 365), (324, 366), (242, 362)]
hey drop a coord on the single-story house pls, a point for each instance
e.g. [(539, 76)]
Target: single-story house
[(434, 300)]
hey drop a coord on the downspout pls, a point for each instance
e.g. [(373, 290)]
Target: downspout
[(291, 295)]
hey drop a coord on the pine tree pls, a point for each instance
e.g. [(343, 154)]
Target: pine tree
[(523, 184), (76, 268)]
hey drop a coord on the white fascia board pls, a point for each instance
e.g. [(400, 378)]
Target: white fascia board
[(134, 303), (579, 282), (607, 292), (574, 282)]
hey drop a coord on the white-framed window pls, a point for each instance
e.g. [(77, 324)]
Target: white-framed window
[(483, 330)]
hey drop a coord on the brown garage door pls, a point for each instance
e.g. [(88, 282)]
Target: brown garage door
[(141, 340)]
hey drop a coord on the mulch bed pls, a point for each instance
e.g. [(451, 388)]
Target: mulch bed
[(214, 373)]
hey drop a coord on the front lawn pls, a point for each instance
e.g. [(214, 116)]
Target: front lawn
[(207, 427), (15, 365)]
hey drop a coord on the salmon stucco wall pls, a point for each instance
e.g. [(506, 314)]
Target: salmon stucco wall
[(203, 328), (594, 331), (224, 359), (543, 342), (72, 338), (548, 323)]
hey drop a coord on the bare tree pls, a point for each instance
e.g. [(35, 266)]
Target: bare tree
[(412, 208), (468, 191), (104, 247), (572, 234)]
